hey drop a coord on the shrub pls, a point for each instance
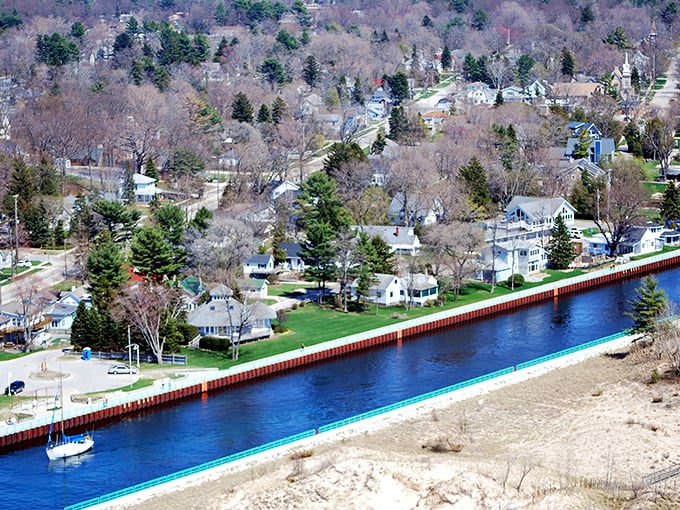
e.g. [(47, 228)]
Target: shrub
[(516, 280), (212, 343), (187, 331), (655, 376), (273, 279)]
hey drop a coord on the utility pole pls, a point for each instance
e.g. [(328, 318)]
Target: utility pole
[(16, 235)]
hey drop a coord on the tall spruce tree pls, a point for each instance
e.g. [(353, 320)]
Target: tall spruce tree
[(648, 306), (560, 248), (242, 110), (475, 184), (311, 71), (670, 206), (446, 58)]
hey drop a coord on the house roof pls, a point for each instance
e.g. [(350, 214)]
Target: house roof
[(575, 89), (250, 283), (607, 145), (420, 281), (220, 290), (225, 313), (60, 310), (414, 203), (585, 165), (292, 249), (259, 259), (537, 207), (382, 281), (142, 179), (403, 236), (192, 285)]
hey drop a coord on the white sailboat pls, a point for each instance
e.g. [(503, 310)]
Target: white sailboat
[(66, 446)]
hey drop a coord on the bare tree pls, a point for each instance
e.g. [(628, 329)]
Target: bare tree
[(500, 71), (32, 305), (459, 245), (148, 307), (223, 246), (618, 203), (666, 336)]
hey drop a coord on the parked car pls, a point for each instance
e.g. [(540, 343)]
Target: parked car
[(15, 387), (122, 369), (24, 263)]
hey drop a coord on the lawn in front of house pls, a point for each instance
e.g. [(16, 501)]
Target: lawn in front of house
[(313, 324)]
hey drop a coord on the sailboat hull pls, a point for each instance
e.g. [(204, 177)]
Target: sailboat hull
[(69, 448)]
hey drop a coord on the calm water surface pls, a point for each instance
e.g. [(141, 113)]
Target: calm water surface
[(202, 429)]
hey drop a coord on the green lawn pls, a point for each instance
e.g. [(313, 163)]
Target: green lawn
[(286, 289), (654, 187), (312, 324)]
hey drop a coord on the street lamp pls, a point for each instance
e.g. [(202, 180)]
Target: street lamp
[(16, 232)]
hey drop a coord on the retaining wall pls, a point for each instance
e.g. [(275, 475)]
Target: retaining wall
[(87, 416)]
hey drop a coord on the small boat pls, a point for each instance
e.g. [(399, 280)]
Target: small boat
[(66, 446)]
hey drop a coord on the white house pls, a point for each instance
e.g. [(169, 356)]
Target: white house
[(539, 214), (294, 260), (253, 288), (412, 208), (641, 240), (258, 265), (390, 290), (145, 188), (479, 93), (282, 187), (402, 240), (513, 257)]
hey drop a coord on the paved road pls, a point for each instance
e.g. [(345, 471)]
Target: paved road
[(662, 98)]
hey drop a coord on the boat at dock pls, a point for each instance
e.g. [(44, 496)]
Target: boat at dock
[(65, 446)]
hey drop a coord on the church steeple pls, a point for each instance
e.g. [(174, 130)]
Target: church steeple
[(625, 74)]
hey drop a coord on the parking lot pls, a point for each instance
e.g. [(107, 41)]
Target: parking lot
[(41, 373)]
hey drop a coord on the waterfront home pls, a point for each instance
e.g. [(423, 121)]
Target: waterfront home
[(259, 266), (228, 317), (253, 288), (518, 256), (537, 214), (391, 290)]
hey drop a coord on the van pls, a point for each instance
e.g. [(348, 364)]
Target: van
[(576, 233)]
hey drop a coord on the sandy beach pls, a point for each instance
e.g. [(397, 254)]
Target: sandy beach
[(577, 437)]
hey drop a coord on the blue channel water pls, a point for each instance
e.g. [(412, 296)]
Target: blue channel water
[(194, 431)]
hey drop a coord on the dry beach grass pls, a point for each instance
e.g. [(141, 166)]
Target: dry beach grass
[(579, 437)]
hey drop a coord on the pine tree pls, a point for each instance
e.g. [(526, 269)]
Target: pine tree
[(582, 147), (446, 58), (151, 254), (59, 234), (499, 99), (473, 178), (399, 125), (128, 186), (635, 79), (263, 115), (279, 110), (648, 306), (242, 110), (151, 170), (567, 63), (357, 92), (560, 248), (106, 270), (670, 206), (311, 71), (380, 142)]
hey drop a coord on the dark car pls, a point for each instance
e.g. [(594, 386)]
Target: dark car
[(15, 387)]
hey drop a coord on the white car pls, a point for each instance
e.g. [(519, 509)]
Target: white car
[(122, 369), (24, 263)]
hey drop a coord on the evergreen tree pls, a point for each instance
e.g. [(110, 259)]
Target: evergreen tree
[(523, 70), (633, 139), (617, 38), (46, 178), (499, 99), (37, 224), (263, 115), (479, 20), (305, 38), (399, 87), (340, 154), (446, 58), (106, 271), (273, 72), (321, 203), (670, 206), (151, 170), (376, 254), (221, 14), (357, 92), (567, 63), (242, 110), (136, 72), (128, 194), (311, 71), (56, 50), (379, 143), (201, 220), (399, 125), (587, 15), (151, 254), (635, 80), (470, 68), (59, 234), (560, 248), (318, 251), (582, 147), (279, 110), (473, 178), (648, 306)]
